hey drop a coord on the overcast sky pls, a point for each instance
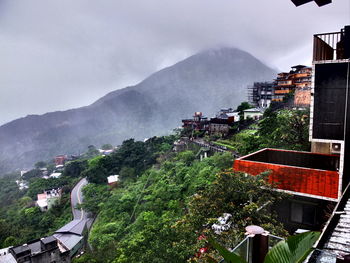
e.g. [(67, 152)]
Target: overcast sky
[(56, 55)]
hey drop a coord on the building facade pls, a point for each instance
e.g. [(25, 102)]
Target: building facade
[(197, 123), (37, 251), (298, 79), (260, 94), (48, 198)]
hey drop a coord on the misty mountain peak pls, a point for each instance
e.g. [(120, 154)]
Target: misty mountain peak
[(207, 81)]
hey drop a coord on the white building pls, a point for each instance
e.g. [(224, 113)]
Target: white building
[(112, 179), (254, 113), (47, 199)]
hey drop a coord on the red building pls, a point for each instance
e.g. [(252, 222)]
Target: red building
[(312, 179), (60, 159), (301, 173)]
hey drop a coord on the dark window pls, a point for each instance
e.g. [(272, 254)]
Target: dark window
[(303, 213)]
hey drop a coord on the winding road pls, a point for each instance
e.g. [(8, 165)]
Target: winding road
[(77, 198)]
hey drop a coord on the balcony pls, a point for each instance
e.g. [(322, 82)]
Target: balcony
[(286, 91), (299, 172), (332, 46), (301, 75)]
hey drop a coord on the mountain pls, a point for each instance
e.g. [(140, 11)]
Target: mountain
[(203, 82)]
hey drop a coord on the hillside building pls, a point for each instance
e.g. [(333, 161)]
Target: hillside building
[(253, 113), (60, 159), (37, 251), (298, 79), (112, 179), (48, 198), (61, 247), (197, 123), (72, 236), (260, 94), (316, 179), (330, 130), (220, 124)]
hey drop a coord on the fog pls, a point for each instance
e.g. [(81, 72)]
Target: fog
[(57, 55)]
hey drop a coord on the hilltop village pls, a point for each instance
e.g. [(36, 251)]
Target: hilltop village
[(278, 162)]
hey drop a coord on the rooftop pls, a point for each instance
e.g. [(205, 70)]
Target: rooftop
[(6, 256), (74, 227), (69, 241), (254, 110), (302, 173)]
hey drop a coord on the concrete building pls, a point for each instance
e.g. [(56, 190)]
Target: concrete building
[(299, 78), (330, 133), (260, 94), (71, 237), (37, 251), (48, 198), (198, 123), (253, 113), (222, 122)]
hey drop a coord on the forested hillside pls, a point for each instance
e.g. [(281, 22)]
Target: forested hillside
[(158, 214), (166, 203)]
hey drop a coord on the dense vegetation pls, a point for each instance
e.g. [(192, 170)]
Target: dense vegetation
[(22, 221), (286, 128), (157, 213), (165, 203)]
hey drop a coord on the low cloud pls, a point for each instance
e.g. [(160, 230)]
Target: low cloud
[(57, 55)]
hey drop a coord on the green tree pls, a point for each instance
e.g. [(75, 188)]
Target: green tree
[(107, 146), (140, 216), (74, 168), (243, 106), (285, 128), (34, 173), (96, 174), (92, 151), (40, 164), (94, 197), (246, 198)]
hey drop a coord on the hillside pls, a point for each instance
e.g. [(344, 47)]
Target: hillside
[(203, 82)]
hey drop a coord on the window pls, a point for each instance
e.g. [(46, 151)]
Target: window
[(303, 213)]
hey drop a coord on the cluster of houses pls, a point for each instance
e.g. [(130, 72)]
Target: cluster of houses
[(221, 123), (296, 82), (60, 247)]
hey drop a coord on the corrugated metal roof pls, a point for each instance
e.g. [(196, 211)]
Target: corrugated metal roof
[(69, 240), (74, 227)]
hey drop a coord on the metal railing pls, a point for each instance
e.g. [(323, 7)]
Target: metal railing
[(244, 248), (331, 46)]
